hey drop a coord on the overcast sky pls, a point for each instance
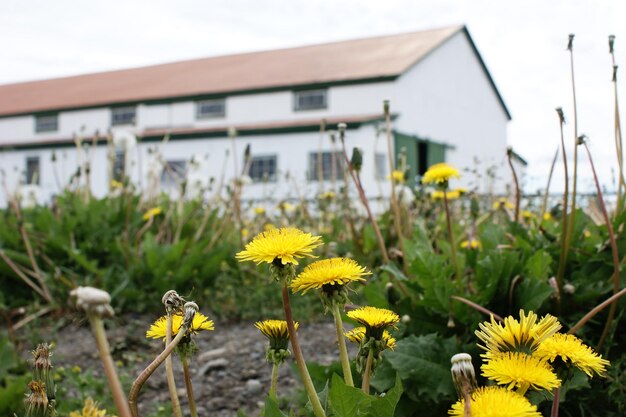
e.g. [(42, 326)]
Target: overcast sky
[(522, 42)]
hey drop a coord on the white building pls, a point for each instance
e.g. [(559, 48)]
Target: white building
[(444, 103)]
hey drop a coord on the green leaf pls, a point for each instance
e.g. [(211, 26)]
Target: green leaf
[(384, 406), (392, 269), (347, 401), (425, 359), (539, 265), (530, 294), (271, 409)]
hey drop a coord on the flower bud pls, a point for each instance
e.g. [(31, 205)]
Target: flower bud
[(463, 374)]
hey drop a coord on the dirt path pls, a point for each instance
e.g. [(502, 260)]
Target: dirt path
[(229, 370)]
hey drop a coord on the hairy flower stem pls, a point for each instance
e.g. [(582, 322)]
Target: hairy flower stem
[(563, 254), (146, 373), (343, 350), (544, 204), (192, 401), (109, 368), (572, 215), (397, 220), (555, 402), (618, 134), (365, 386), (297, 353), (169, 371), (274, 381), (457, 275), (518, 195), (616, 261), (596, 310)]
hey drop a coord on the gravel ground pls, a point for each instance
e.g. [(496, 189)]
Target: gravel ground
[(229, 371)]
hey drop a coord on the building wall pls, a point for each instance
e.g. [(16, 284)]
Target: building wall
[(447, 98), (213, 164)]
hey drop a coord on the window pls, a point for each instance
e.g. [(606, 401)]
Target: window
[(331, 164), (47, 123), (380, 166), (310, 99), (119, 164), (210, 109), (263, 168), (123, 116), (174, 172), (32, 170)]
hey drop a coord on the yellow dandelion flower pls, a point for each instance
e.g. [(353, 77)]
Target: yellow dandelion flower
[(547, 216), (473, 244), (286, 206), (334, 271), (517, 369), (527, 214), (572, 350), (586, 233), (503, 203), (268, 226), (116, 184), (523, 335), (274, 329), (440, 174), (357, 334), (259, 211), (396, 176), (155, 211), (285, 244), (245, 233), (373, 317), (451, 195), (496, 402), (90, 409), (328, 195), (158, 328)]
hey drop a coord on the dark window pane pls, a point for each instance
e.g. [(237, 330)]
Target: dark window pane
[(174, 172), (123, 116), (48, 123), (310, 100), (32, 170), (263, 168), (119, 165), (210, 108), (331, 163)]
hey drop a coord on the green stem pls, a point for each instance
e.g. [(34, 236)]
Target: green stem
[(192, 401), (146, 373), (318, 410), (368, 372), (343, 350), (522, 389), (455, 264), (169, 371), (109, 368), (274, 381)]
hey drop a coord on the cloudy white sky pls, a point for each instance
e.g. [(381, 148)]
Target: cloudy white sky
[(522, 42)]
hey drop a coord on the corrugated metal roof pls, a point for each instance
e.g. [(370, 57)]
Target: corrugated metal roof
[(353, 60)]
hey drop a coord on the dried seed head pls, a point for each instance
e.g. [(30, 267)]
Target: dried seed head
[(463, 374), (173, 302), (93, 300), (37, 402), (190, 309), (43, 369)]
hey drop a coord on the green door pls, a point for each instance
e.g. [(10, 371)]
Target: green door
[(418, 153)]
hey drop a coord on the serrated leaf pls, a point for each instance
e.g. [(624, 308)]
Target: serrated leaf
[(530, 294), (385, 406), (347, 401), (538, 265), (425, 359)]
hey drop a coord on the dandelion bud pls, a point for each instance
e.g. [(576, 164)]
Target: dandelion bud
[(173, 302), (581, 140), (614, 73), (37, 401), (43, 369), (570, 42), (559, 111), (190, 309), (93, 300), (611, 43), (386, 107), (357, 159), (463, 374)]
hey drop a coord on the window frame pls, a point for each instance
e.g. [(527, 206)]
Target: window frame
[(326, 168), (114, 110), (270, 177), (381, 166), (30, 174), (40, 117), (171, 180), (296, 99), (209, 116)]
